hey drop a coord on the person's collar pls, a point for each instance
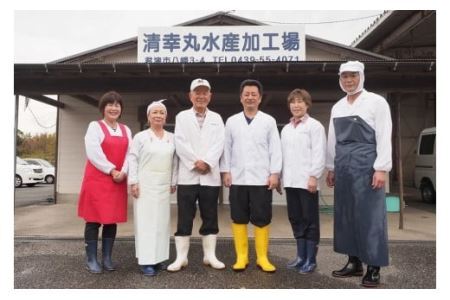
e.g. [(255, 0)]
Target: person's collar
[(198, 113), (356, 97), (250, 115), (295, 122)]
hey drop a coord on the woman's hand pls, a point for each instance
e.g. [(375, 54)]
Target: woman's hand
[(114, 173), (330, 179), (135, 190), (118, 178)]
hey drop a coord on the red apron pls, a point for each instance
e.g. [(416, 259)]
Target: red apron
[(101, 199)]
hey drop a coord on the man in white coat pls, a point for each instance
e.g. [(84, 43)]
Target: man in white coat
[(199, 141), (359, 156), (251, 167)]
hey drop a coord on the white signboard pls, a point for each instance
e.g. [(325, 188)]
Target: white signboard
[(221, 44)]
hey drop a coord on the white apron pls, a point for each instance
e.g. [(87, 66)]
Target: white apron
[(152, 208)]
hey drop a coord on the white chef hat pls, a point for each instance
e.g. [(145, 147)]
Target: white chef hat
[(353, 66), (156, 103)]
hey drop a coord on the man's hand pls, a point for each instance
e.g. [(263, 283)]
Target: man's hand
[(173, 189), (279, 190), (201, 167), (273, 181), (312, 184), (330, 179), (226, 179), (379, 179)]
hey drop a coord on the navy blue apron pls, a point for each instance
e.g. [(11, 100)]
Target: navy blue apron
[(360, 226)]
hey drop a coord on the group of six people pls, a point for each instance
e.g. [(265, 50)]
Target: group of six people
[(248, 156)]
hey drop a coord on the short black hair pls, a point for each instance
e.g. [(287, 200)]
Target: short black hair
[(110, 97), (251, 82)]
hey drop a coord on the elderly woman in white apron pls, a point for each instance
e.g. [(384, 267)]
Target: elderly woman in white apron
[(359, 156), (152, 177)]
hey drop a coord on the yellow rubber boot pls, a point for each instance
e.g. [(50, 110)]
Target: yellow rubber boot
[(241, 246), (262, 247)]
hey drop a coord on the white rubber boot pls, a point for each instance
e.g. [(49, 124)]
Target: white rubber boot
[(209, 252), (182, 247)]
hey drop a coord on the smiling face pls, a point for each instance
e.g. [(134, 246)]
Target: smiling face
[(157, 117), (112, 111), (200, 98), (349, 81), (298, 108), (250, 98)]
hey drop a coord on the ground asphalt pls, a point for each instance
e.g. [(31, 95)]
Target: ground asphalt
[(59, 264)]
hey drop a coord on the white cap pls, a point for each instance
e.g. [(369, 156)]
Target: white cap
[(351, 66), (156, 103), (199, 82)]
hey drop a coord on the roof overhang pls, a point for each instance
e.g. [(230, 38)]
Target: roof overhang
[(399, 28), (141, 77)]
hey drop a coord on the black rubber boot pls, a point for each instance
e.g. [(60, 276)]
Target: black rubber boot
[(107, 246), (372, 277), (311, 252), (352, 268), (301, 255), (148, 270), (91, 257)]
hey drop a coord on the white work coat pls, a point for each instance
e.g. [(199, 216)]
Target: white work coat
[(93, 140), (374, 110), (152, 165), (193, 143), (304, 150), (252, 151)]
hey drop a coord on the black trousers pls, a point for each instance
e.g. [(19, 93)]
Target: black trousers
[(251, 203), (91, 231), (187, 196), (303, 213)]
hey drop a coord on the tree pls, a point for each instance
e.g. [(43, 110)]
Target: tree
[(19, 138), (39, 146)]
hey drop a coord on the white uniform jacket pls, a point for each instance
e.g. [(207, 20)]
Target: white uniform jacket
[(93, 140), (137, 150), (193, 143), (304, 150), (374, 110), (252, 151)]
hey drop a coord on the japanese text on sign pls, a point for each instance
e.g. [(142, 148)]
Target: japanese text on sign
[(221, 44)]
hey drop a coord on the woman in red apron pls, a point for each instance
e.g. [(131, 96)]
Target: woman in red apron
[(103, 195)]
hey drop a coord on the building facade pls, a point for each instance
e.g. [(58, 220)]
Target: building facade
[(81, 79)]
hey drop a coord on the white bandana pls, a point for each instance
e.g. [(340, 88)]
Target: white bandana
[(156, 103), (353, 66)]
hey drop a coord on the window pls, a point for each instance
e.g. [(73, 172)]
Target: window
[(427, 144), (46, 163), (32, 162), (21, 161)]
